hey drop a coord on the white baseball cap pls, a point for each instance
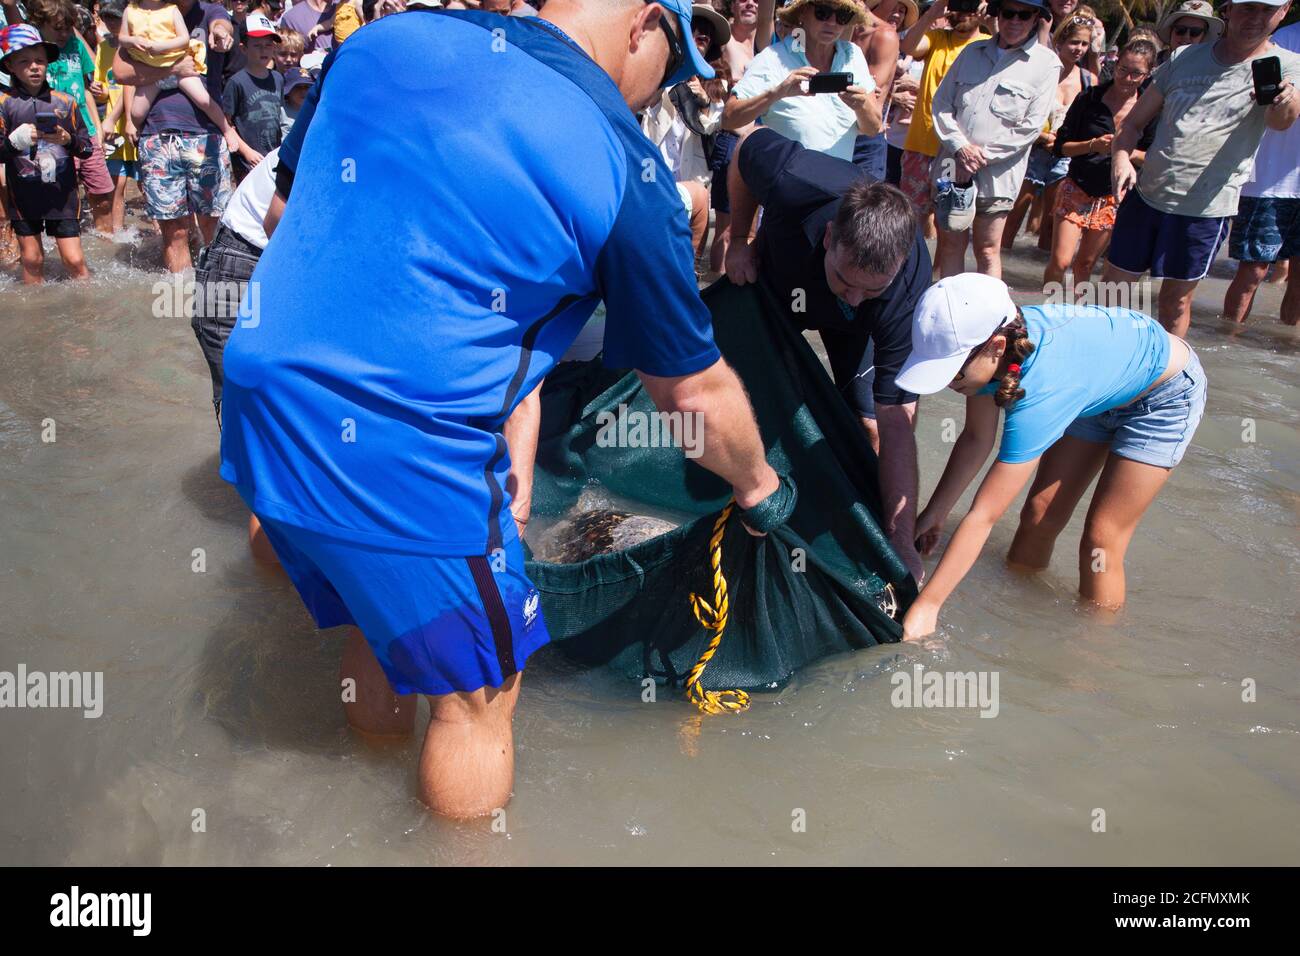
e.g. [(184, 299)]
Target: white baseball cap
[(954, 315), (257, 25)]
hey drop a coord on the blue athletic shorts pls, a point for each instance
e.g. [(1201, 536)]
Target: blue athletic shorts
[(437, 625), (1267, 229), (1156, 429), (1168, 246)]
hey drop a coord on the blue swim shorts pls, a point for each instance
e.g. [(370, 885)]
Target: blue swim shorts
[(1158, 427), (1266, 229), (1167, 245), (437, 625)]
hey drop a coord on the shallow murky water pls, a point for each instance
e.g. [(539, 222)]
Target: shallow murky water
[(220, 697)]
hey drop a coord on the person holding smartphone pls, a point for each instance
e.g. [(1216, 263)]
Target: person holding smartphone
[(40, 134), (777, 86), (1209, 117)]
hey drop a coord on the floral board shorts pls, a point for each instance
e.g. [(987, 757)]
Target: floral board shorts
[(182, 174), (1091, 213)]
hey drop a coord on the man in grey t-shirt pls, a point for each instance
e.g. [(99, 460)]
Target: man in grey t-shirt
[(1209, 126)]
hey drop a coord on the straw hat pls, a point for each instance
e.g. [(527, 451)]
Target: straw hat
[(789, 14), (913, 12), (1197, 10)]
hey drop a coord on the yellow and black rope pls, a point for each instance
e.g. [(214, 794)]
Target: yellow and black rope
[(713, 617)]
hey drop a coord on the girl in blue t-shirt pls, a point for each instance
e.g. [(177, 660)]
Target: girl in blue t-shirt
[(1086, 390)]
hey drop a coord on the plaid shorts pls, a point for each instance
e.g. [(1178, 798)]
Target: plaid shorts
[(182, 174)]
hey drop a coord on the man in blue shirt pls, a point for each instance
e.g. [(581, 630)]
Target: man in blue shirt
[(433, 264)]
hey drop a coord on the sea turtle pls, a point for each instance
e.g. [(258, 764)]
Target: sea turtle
[(599, 531)]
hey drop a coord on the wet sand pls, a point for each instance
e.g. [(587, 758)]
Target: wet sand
[(221, 698)]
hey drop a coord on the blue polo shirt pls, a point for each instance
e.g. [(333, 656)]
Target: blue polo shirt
[(1086, 360), (469, 188)]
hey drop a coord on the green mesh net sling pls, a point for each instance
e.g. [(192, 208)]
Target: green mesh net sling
[(821, 584)]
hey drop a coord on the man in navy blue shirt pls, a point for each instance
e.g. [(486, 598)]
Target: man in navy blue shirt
[(843, 255), (452, 247)]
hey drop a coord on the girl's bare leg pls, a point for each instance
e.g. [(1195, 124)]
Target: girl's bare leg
[(1017, 215), (1047, 221), (1063, 476), (1091, 248), (1064, 243), (142, 102), (1124, 492)]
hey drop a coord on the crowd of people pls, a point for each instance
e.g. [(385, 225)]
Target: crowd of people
[(1021, 138), (636, 150)]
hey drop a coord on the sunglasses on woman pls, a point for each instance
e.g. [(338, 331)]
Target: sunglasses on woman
[(1023, 14), (1192, 33), (824, 11)]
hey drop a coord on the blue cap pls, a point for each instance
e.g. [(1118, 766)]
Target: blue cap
[(694, 63)]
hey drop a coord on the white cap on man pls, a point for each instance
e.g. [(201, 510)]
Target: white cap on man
[(954, 315)]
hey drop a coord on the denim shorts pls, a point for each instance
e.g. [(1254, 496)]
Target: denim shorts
[(1045, 168), (1157, 428)]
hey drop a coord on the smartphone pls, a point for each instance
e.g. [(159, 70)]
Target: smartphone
[(1267, 71), (830, 82), (963, 6), (46, 121)]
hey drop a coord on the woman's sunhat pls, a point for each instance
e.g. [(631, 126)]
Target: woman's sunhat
[(717, 26), (1196, 9), (913, 12), (20, 36), (789, 14), (954, 315)]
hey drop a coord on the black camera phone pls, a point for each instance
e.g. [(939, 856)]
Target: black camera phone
[(830, 82), (1267, 72), (46, 121)]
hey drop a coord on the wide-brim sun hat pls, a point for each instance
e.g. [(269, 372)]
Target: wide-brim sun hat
[(789, 14), (1197, 10), (913, 12), (22, 36), (718, 27), (953, 316)]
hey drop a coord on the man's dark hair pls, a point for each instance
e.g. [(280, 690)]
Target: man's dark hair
[(877, 224)]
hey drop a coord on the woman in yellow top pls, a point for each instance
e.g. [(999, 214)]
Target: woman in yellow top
[(154, 33)]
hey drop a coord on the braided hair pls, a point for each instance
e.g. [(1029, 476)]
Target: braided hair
[(1019, 348)]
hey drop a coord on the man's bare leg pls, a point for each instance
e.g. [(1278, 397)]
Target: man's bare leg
[(1241, 291), (467, 767), (1175, 305), (376, 711)]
